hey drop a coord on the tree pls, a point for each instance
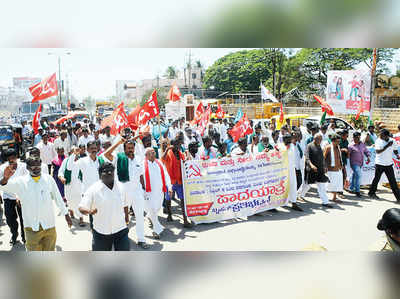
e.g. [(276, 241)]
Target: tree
[(309, 67), (171, 73), (238, 71)]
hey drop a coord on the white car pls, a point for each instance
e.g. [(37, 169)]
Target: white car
[(340, 123)]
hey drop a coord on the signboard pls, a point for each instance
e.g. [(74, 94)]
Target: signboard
[(345, 90), (222, 189)]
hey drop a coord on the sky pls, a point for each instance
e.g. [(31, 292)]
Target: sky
[(94, 71)]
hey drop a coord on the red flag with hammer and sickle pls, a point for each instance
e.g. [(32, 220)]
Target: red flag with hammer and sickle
[(44, 89), (117, 121)]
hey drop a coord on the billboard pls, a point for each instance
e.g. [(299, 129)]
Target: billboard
[(345, 90)]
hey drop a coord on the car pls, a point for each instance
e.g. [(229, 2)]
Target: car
[(340, 123)]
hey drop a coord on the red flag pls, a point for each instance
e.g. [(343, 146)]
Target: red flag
[(133, 118), (117, 120), (324, 105), (220, 113), (204, 120), (149, 110), (241, 128), (174, 94), (36, 119), (281, 117), (361, 109), (44, 89), (197, 115), (69, 105)]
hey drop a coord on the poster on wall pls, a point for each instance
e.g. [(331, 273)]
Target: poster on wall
[(345, 90)]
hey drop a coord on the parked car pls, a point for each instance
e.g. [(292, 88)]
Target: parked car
[(340, 123)]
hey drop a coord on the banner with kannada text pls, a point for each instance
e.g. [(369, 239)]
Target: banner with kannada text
[(222, 189)]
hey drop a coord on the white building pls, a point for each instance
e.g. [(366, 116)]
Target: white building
[(192, 79)]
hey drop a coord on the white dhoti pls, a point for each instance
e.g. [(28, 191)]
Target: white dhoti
[(73, 196), (135, 198), (153, 204), (335, 181)]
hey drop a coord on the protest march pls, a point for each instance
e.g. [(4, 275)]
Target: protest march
[(105, 172)]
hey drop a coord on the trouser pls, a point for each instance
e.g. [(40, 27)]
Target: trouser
[(41, 240), (321, 191), (120, 240), (355, 178), (153, 214), (354, 90), (298, 178), (388, 170), (178, 189), (136, 198), (12, 211)]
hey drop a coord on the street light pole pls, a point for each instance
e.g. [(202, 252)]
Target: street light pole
[(59, 78)]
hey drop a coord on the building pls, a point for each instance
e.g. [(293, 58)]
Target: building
[(126, 90), (25, 82), (189, 80)]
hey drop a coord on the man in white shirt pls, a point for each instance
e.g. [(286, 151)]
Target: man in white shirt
[(72, 186), (109, 209), (173, 130), (89, 167), (85, 138), (130, 175), (385, 147), (107, 135), (157, 182), (47, 151), (36, 192), (63, 142), (241, 148), (223, 129), (12, 208)]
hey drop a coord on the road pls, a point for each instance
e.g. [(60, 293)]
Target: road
[(350, 226)]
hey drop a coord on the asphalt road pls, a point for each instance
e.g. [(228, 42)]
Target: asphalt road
[(350, 226)]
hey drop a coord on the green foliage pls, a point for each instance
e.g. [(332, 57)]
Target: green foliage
[(171, 73), (282, 70), (161, 96)]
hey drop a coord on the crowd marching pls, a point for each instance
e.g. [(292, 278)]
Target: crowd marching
[(105, 181)]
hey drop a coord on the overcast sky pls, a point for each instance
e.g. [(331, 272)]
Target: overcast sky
[(94, 71)]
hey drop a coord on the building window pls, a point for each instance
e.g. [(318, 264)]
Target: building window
[(193, 76), (194, 86)]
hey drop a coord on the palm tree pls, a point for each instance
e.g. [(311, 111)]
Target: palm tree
[(171, 73)]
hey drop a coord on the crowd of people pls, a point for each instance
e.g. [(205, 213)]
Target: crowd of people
[(115, 179)]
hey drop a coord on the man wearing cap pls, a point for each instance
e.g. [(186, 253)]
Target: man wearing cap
[(36, 191), (385, 147), (356, 152)]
